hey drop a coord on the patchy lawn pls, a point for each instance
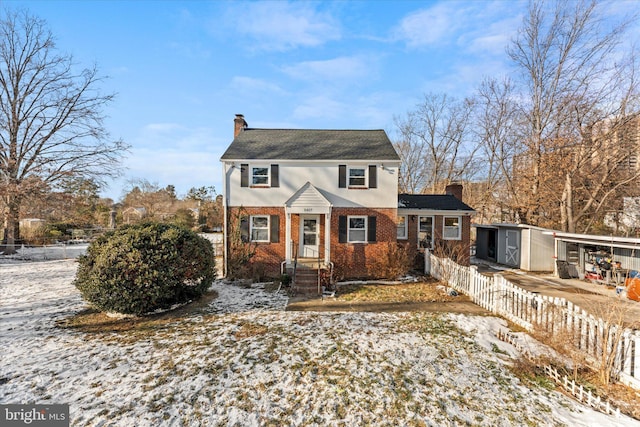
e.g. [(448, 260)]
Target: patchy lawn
[(241, 360), (431, 291)]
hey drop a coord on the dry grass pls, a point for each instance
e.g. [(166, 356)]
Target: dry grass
[(427, 291), (93, 321), (250, 329)]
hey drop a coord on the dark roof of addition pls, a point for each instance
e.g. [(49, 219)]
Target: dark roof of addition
[(310, 144), (440, 202)]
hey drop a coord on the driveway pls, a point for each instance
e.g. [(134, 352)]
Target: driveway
[(596, 299)]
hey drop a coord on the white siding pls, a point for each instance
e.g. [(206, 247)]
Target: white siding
[(542, 251), (324, 176)]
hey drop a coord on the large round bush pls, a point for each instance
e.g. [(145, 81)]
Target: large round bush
[(141, 268)]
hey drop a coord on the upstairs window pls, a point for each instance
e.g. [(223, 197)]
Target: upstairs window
[(357, 177), (260, 175)]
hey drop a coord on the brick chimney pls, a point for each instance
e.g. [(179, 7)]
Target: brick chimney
[(240, 124), (455, 189)]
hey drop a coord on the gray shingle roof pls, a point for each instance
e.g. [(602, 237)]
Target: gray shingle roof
[(440, 202), (304, 144)]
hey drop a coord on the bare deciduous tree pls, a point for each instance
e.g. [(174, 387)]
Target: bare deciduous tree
[(576, 94), (435, 144), (51, 121), (497, 130)]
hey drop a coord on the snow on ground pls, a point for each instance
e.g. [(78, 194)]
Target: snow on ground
[(247, 362)]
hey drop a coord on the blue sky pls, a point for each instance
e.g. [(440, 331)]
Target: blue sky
[(182, 70)]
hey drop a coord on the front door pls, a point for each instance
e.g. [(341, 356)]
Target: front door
[(309, 230)]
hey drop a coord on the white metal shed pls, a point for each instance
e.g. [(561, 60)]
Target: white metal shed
[(522, 246)]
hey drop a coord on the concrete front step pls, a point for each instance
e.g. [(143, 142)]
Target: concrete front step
[(306, 291), (306, 281)]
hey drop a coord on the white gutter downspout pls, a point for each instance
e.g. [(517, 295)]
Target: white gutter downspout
[(224, 212), (327, 236)]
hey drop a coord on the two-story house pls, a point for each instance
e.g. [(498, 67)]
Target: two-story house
[(330, 196)]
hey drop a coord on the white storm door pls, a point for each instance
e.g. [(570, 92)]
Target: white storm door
[(309, 232)]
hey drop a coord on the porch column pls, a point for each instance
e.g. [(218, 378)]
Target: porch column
[(327, 237), (287, 235)]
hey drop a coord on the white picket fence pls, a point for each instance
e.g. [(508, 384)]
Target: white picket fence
[(550, 314), (569, 385)]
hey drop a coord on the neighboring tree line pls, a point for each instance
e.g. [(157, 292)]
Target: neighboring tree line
[(555, 144), (200, 209), (77, 210)]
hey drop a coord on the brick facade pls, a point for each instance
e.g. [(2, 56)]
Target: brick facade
[(357, 260), (455, 249), (268, 256), (351, 260)]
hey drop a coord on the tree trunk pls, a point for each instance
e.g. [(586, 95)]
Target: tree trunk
[(11, 224), (569, 222)]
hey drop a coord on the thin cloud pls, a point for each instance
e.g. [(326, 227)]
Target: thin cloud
[(190, 50), (341, 68), (320, 107), (370, 111), (250, 84), (428, 27), (463, 24), (282, 26), (172, 135)]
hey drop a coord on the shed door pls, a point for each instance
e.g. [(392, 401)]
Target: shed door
[(512, 253)]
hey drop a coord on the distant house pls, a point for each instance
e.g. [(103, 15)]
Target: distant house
[(328, 197), (132, 215)]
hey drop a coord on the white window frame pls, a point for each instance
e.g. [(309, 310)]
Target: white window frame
[(254, 176), (433, 229), (401, 232), (252, 228), (350, 229), (445, 227), (363, 177)]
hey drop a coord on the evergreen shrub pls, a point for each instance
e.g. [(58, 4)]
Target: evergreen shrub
[(138, 269)]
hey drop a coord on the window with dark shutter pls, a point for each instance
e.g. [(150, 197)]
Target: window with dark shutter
[(342, 176), (342, 229), (371, 229), (275, 176), (244, 175), (274, 229), (373, 176), (244, 229)]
